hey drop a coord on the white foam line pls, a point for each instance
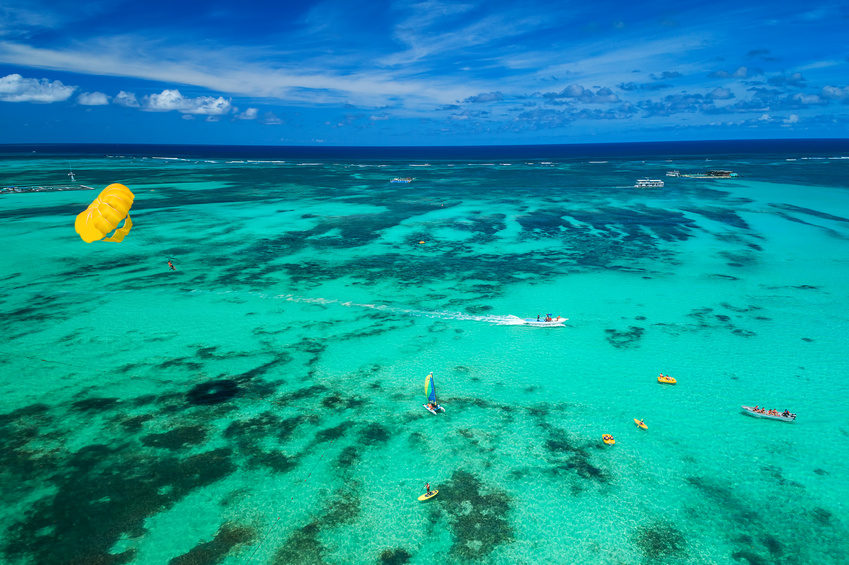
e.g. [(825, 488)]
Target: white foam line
[(492, 319)]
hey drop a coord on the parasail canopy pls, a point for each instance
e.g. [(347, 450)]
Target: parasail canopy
[(105, 213)]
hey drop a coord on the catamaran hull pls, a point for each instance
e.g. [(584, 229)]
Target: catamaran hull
[(431, 410)]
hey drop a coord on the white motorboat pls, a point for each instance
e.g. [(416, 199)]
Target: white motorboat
[(752, 412), (545, 322), (649, 183)]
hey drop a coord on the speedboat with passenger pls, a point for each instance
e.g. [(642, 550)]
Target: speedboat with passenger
[(546, 322), (785, 416)]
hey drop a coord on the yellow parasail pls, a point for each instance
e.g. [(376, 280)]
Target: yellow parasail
[(105, 213)]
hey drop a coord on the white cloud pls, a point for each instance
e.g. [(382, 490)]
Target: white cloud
[(271, 119), (93, 99), (720, 94), (15, 88), (127, 99), (235, 72), (835, 92), (249, 114), (169, 100), (808, 99)]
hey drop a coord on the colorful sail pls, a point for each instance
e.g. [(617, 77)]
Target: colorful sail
[(430, 389)]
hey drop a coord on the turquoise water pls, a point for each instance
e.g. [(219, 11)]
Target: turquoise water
[(263, 403)]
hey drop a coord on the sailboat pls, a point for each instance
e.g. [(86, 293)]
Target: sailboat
[(430, 392)]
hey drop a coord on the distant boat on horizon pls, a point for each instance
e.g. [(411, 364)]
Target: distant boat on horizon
[(649, 183)]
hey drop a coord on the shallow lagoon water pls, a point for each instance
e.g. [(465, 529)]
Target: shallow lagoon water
[(262, 404)]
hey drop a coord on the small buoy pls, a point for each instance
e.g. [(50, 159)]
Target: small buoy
[(421, 242)]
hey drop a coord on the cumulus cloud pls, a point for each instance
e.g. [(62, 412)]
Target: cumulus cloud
[(127, 99), (169, 100), (632, 86), (578, 93), (249, 114), (741, 72), (485, 97), (794, 79), (809, 99), (15, 88), (270, 118), (92, 99), (835, 93), (666, 75), (720, 94)]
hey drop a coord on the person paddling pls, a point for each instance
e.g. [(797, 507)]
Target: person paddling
[(427, 488), (170, 264)]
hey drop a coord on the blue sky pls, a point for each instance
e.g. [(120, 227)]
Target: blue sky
[(420, 73)]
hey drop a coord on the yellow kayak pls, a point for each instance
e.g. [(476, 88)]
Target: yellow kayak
[(666, 379), (608, 439), (640, 424)]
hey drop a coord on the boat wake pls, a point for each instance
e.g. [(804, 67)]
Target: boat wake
[(400, 310)]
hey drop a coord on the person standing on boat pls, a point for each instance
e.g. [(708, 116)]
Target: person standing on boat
[(427, 488)]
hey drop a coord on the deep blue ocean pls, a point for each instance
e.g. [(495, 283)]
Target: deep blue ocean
[(263, 401)]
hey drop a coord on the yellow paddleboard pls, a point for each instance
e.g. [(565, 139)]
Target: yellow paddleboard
[(428, 496), (645, 427)]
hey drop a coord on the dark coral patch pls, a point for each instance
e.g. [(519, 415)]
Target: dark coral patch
[(374, 433), (227, 537), (254, 429), (273, 460), (301, 548), (626, 338), (331, 434), (94, 404), (478, 516), (660, 541), (398, 556), (102, 495), (176, 439), (307, 392), (821, 515), (134, 424), (349, 457), (213, 392)]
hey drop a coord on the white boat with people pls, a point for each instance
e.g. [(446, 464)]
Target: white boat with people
[(547, 321), (649, 183), (773, 414)]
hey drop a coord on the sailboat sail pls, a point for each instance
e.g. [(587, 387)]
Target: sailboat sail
[(430, 389)]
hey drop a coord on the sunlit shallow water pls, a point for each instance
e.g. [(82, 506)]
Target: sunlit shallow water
[(263, 403)]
